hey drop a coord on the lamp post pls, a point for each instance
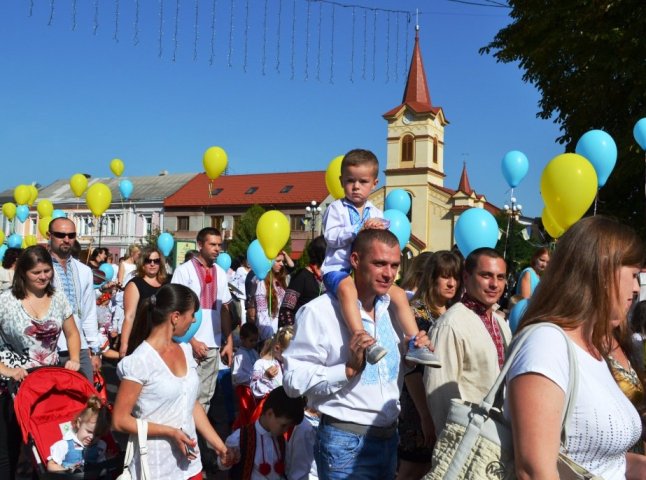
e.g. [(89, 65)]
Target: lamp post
[(313, 211), (513, 213)]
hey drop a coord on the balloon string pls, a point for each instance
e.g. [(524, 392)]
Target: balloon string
[(271, 284), (596, 198)]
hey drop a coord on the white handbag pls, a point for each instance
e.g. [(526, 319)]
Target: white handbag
[(476, 442), (140, 440)]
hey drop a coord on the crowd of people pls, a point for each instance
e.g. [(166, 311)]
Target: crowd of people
[(334, 371)]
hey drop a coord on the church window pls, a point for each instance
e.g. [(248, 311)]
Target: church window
[(408, 144), (435, 150)]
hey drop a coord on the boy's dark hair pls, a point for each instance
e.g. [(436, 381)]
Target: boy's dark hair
[(248, 329), (284, 406), (359, 156)]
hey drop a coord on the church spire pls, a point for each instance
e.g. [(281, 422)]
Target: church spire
[(416, 94), (464, 185)]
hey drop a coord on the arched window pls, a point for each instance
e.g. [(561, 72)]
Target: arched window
[(408, 146)]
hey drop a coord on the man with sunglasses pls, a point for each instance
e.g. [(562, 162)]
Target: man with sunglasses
[(75, 279)]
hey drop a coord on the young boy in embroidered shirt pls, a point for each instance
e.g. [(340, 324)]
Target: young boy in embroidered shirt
[(342, 220), (243, 362), (258, 450)]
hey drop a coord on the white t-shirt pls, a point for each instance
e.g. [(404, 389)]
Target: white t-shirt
[(165, 399), (260, 383), (604, 424), (243, 362), (59, 449), (210, 331)]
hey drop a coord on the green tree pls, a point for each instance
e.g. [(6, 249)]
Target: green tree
[(587, 59), (518, 250), (244, 231)]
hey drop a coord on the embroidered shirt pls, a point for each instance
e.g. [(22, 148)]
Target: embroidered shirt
[(490, 324), (66, 276)]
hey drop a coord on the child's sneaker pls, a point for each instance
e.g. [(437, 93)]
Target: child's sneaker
[(422, 355), (374, 353)]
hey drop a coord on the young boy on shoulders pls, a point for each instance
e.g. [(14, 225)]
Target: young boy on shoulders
[(343, 219)]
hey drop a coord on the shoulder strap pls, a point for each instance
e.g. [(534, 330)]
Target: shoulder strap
[(573, 383), (142, 435)]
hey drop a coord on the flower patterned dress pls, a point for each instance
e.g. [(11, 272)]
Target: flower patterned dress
[(26, 341)]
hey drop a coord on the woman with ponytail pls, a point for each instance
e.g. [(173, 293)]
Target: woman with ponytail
[(159, 384)]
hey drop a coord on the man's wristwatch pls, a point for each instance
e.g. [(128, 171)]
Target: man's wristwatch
[(95, 352)]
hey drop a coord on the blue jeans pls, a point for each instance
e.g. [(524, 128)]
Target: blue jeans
[(344, 455)]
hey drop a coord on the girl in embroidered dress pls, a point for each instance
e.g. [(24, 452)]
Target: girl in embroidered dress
[(265, 302), (268, 369)]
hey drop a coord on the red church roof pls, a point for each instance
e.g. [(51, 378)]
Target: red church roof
[(263, 189), (416, 94), (464, 185)]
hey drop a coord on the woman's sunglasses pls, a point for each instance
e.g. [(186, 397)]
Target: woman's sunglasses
[(156, 261)]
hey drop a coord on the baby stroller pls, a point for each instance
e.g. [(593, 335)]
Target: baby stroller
[(46, 403)]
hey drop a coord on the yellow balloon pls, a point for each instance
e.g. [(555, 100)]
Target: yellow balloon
[(333, 178), (21, 194), (117, 167), (78, 184), (550, 225), (33, 194), (45, 208), (98, 198), (215, 162), (43, 225), (1, 237), (30, 240), (9, 210), (568, 187), (273, 232)]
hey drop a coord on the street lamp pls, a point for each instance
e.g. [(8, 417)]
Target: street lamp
[(313, 211), (513, 213)]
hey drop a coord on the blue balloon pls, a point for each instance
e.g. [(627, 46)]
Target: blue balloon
[(126, 187), (398, 200), (639, 132), (58, 214), (108, 270), (165, 243), (14, 241), (192, 329), (22, 213), (258, 262), (476, 228), (3, 250), (399, 225), (224, 260), (601, 151), (514, 167), (516, 314)]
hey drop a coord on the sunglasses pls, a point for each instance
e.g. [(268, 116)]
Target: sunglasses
[(62, 235), (156, 261)]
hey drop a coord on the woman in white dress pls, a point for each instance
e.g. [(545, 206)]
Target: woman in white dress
[(586, 290), (159, 384)]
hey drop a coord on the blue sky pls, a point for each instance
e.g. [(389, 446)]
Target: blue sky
[(73, 99)]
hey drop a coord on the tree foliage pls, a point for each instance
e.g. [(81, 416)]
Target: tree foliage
[(587, 58), (244, 231)]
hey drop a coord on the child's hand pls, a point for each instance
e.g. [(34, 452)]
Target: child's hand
[(375, 224), (230, 457), (272, 371)]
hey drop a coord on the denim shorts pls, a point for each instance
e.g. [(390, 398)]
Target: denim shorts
[(332, 279), (345, 455)]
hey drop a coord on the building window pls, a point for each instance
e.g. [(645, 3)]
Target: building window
[(297, 223), (216, 222), (251, 190), (435, 150), (408, 144), (216, 191), (147, 224), (182, 223), (286, 188)]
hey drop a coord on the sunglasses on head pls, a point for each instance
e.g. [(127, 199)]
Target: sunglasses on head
[(156, 261), (62, 235)]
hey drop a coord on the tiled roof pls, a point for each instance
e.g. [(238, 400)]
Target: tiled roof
[(263, 189), (152, 188)]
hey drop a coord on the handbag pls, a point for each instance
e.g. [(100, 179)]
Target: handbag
[(140, 440), (476, 442)]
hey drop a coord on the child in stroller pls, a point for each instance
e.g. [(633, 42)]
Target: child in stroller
[(46, 404), (82, 444)]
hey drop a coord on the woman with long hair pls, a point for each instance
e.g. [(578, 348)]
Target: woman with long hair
[(128, 264), (32, 316), (586, 290), (150, 276), (436, 288), (267, 298), (530, 277), (159, 384)]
